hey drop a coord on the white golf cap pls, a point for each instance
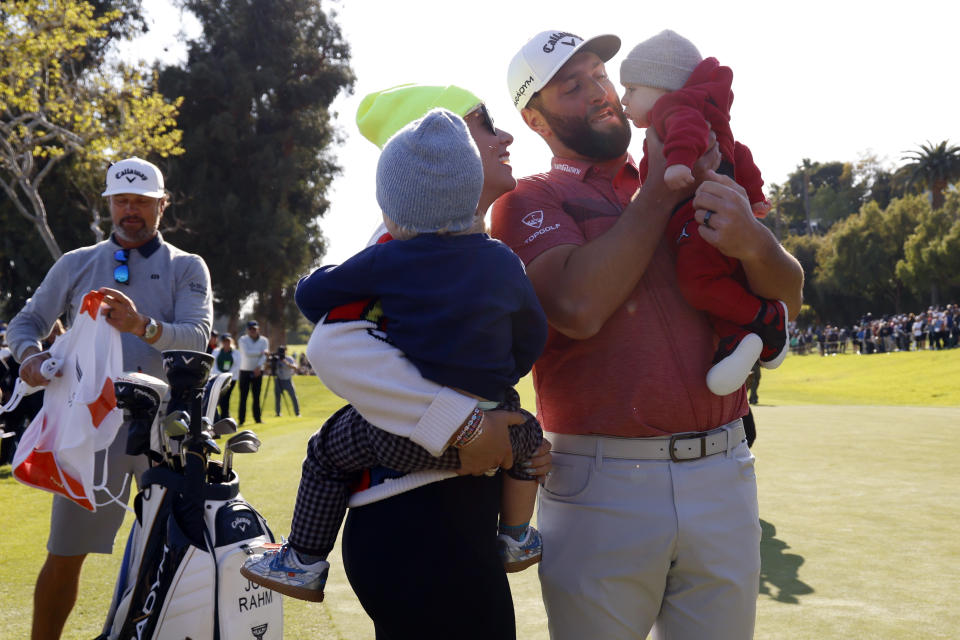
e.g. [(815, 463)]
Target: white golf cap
[(543, 55), (134, 175)]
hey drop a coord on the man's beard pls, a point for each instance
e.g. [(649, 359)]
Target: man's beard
[(145, 233), (578, 136)]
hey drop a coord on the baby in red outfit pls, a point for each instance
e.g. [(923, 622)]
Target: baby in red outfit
[(670, 87)]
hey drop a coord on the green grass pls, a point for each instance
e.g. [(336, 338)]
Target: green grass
[(858, 506), (910, 378), (858, 500)]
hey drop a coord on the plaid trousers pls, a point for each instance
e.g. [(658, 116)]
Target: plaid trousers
[(346, 445)]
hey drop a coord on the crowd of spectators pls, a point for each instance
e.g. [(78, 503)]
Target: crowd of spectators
[(934, 329)]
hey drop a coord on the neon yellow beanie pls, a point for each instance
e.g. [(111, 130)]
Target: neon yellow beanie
[(383, 113)]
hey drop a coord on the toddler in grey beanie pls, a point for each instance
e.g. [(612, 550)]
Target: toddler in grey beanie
[(429, 177), (652, 69), (668, 85), (664, 61)]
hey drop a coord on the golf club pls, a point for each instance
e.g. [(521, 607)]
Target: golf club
[(243, 445), (208, 446), (224, 426), (175, 427), (246, 434)]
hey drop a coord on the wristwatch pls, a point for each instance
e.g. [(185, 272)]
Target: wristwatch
[(150, 331)]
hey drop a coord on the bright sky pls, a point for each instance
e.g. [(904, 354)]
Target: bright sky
[(825, 80)]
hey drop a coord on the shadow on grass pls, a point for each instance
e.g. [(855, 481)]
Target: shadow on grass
[(779, 571), (6, 471)]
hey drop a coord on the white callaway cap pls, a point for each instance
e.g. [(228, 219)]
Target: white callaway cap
[(134, 175), (543, 55)]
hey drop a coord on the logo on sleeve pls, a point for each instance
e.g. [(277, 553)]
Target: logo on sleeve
[(533, 219)]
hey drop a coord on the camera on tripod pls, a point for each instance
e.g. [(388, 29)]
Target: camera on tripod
[(274, 360), (278, 370)]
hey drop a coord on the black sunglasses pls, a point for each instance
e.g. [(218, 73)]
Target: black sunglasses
[(485, 118), (122, 272)]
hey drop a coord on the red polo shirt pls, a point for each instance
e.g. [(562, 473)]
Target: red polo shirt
[(644, 372)]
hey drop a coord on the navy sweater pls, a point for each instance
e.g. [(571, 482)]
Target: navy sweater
[(460, 307)]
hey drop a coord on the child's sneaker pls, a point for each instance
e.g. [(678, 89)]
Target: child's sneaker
[(277, 567), (732, 362), (771, 325), (518, 555)]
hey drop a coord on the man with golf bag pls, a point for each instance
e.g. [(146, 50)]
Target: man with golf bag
[(159, 298)]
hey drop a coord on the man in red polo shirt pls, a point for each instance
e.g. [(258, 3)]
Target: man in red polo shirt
[(650, 517)]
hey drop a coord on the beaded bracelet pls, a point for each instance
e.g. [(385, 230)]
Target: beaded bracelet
[(470, 431)]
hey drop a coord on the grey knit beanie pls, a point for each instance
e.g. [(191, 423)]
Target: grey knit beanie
[(429, 175), (664, 61)]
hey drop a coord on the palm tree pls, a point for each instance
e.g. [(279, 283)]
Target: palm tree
[(934, 168), (807, 166), (778, 194)]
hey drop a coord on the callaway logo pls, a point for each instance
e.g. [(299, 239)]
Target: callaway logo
[(533, 219), (259, 631), (131, 175), (559, 38), (241, 522)]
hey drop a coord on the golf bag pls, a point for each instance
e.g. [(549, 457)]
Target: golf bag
[(180, 576)]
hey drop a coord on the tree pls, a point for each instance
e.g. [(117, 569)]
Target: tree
[(879, 182), (931, 254), (55, 104), (24, 259), (818, 194), (837, 194), (805, 249), (934, 168), (258, 133), (861, 253), (806, 166)]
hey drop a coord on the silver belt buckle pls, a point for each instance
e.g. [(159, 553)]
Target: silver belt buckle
[(687, 436)]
